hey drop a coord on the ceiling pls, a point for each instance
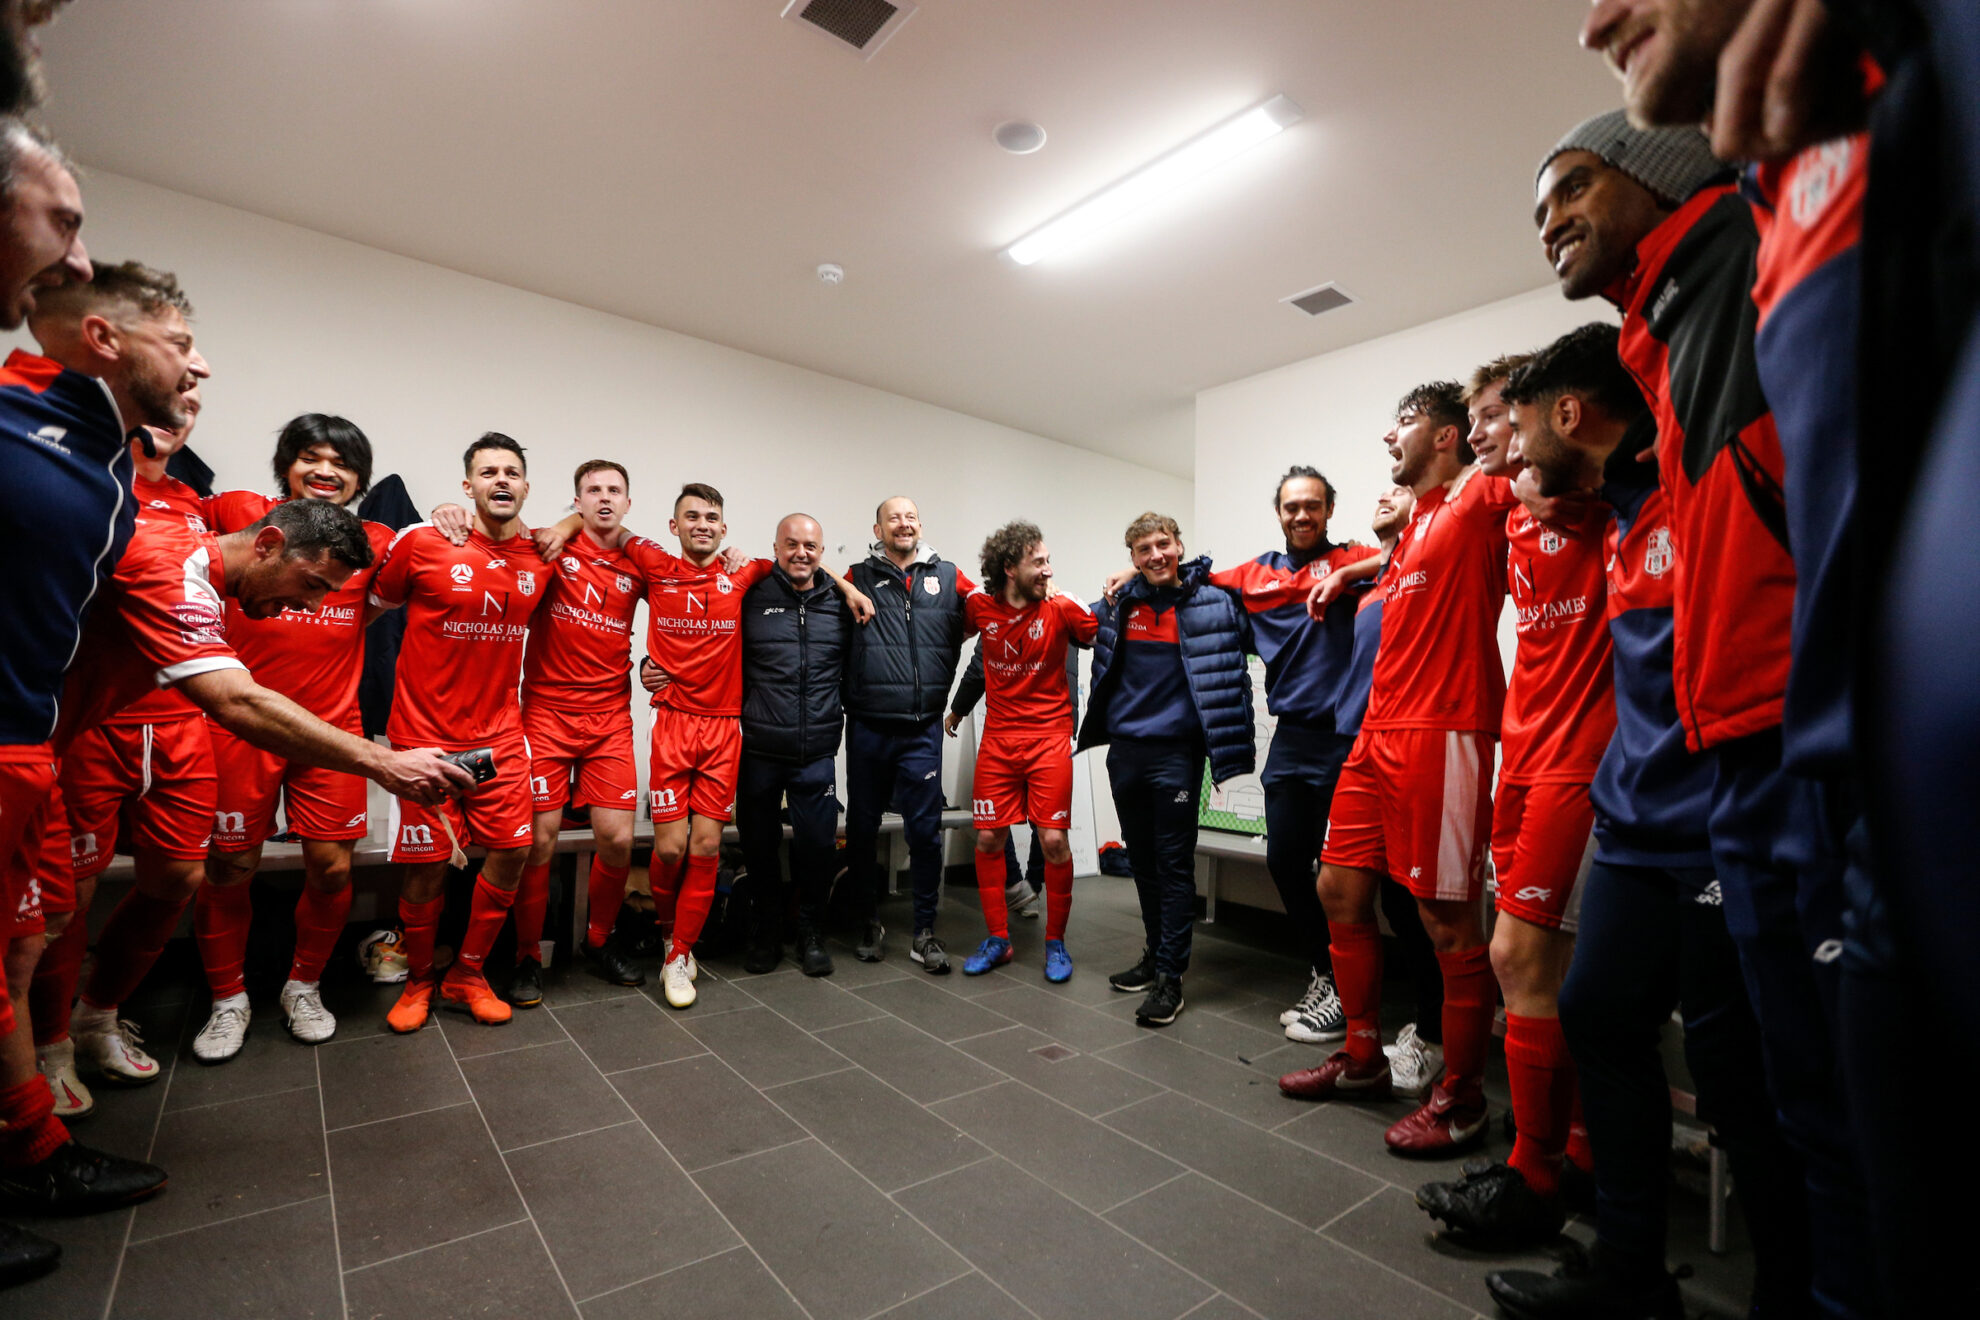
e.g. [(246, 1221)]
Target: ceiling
[(689, 163)]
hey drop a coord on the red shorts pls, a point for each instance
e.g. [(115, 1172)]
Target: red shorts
[(1415, 804), (597, 744), (495, 814), (1023, 779), (1543, 837), (27, 779), (318, 803), (694, 765), (164, 769)]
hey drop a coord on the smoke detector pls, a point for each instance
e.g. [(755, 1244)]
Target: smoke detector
[(1019, 138), (1323, 298), (831, 274), (862, 26)]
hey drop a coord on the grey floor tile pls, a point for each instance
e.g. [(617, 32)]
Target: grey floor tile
[(537, 1095), (471, 1039), (412, 1182), (943, 1016), (234, 1159), (1391, 1229), (1290, 1178), (812, 1002), (1057, 1259), (1063, 1019), (849, 973), (1352, 1133), (1084, 1081), (764, 1048), (973, 987), (359, 1006), (1271, 1264), (283, 1263), (909, 1060), (876, 1129), (91, 1247), (388, 1076), (845, 1250), (1221, 1307), (630, 1031), (572, 986), (1213, 1033), (702, 1112), (971, 1297), (1251, 1094), (732, 1286), (270, 1061), (1094, 1165), (614, 1209), (502, 1273)]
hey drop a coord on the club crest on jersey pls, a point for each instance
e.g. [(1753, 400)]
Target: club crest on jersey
[(526, 582), (623, 583), (1818, 176), (931, 586), (723, 585), (1550, 541), (1037, 629), (462, 573), (1657, 557)]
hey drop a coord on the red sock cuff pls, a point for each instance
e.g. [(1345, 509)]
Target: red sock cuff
[(990, 876), (1058, 898), (1352, 934), (599, 866), (29, 1130), (1538, 1042)]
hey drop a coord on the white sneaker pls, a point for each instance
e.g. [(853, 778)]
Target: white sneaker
[(1321, 984), (1318, 1015), (677, 981), (57, 1063), (693, 967), (110, 1045), (1414, 1063), (225, 1031), (309, 1021)]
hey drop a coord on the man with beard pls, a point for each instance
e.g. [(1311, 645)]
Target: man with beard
[(22, 86), (1024, 762)]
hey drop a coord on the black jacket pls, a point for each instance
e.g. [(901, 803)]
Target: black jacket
[(901, 663), (794, 654)]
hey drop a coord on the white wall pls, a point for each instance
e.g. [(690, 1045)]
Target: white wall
[(425, 359)]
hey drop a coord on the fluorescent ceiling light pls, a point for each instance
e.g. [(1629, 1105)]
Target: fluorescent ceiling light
[(1173, 172)]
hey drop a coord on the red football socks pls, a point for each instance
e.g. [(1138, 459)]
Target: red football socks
[(664, 883), (221, 914), (29, 1130), (697, 895), (320, 919), (420, 921), (532, 897), (486, 914), (1058, 898), (1470, 997), (990, 886), (607, 894), (1542, 1078), (1356, 948), (55, 978), (131, 942), (1580, 1152)]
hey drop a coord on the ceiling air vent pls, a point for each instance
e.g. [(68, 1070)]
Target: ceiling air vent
[(1323, 299), (864, 25)]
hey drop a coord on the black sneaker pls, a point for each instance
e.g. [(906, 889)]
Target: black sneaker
[(811, 955), (1162, 1004), (1137, 978), (1492, 1207), (76, 1180), (1593, 1287), (609, 960), (25, 1255), (762, 954), (872, 946), (526, 986), (637, 933)]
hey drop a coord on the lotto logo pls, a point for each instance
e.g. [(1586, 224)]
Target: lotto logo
[(229, 822), (355, 821), (629, 795), (931, 774), (1183, 796), (1060, 815), (983, 806), (462, 573), (416, 836), (1533, 894), (522, 832), (1416, 873)]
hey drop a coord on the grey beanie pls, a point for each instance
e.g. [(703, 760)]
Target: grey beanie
[(1672, 163)]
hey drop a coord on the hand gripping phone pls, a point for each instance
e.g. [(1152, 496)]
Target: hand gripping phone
[(480, 763)]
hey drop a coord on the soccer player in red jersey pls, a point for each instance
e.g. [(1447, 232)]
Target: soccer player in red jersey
[(1024, 761), (1559, 717), (578, 719), (468, 610), (314, 659), (1413, 800)]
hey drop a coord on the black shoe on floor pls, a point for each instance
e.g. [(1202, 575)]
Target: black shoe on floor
[(610, 962), (526, 986), (77, 1180), (1162, 1004), (24, 1255), (811, 955), (872, 946), (1137, 978), (1493, 1207), (1587, 1288), (762, 955), (637, 932), (1577, 1189)]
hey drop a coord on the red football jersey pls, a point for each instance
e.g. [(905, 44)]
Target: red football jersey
[(1024, 661), (580, 643), (1439, 665), (693, 627), (315, 660), (1561, 703), (467, 620), (162, 619), (168, 501)]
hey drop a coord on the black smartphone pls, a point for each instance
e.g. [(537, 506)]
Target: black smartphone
[(480, 763)]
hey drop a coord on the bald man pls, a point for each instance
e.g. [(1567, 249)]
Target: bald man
[(796, 632)]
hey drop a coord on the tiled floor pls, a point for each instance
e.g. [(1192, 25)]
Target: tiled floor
[(879, 1142)]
